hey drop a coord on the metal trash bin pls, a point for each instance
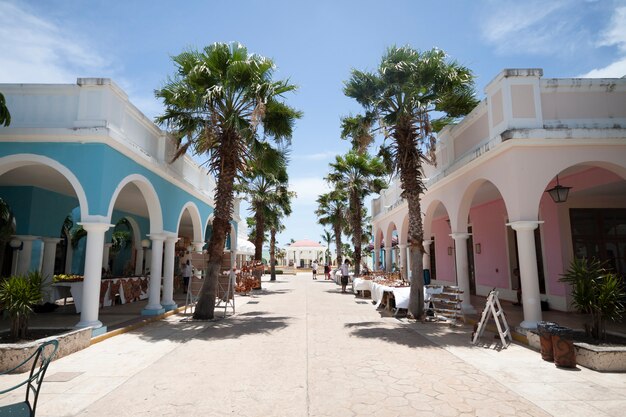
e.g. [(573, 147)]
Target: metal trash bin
[(545, 338), (563, 346)]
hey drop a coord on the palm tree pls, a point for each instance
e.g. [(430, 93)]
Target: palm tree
[(214, 105), (265, 185), (332, 211), (357, 129), (408, 90), (359, 174), (5, 116), (328, 237), (275, 224)]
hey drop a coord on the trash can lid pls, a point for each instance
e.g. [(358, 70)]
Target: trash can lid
[(545, 325), (563, 332)]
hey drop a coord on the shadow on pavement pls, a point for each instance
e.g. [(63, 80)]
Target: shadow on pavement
[(231, 327), (429, 335)]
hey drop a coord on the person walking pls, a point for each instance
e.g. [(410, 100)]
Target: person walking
[(345, 275), (187, 272), (326, 271), (314, 268)]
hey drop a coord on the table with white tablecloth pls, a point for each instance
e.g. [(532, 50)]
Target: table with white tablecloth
[(124, 290), (360, 284)]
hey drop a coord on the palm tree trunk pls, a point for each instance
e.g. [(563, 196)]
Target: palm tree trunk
[(272, 254), (410, 179), (357, 230), (259, 236), (338, 243), (205, 307)]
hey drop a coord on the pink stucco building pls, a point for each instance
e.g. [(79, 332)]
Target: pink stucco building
[(487, 210)]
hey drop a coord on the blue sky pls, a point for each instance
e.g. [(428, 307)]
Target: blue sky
[(314, 44)]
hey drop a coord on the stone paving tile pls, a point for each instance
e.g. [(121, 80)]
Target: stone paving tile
[(304, 349)]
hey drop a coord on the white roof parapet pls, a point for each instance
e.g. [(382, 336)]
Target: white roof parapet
[(97, 110)]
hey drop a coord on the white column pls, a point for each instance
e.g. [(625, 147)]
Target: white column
[(93, 274), (388, 260), (139, 262), (47, 269), (106, 249), (25, 255), (197, 246), (168, 273), (403, 261), (529, 275), (154, 306), (462, 270)]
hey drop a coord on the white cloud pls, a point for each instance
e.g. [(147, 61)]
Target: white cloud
[(613, 35), (536, 27), (615, 70), (307, 189), (34, 50)]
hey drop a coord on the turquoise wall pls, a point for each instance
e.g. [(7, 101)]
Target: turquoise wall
[(100, 168)]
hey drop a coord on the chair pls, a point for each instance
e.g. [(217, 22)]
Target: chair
[(41, 359)]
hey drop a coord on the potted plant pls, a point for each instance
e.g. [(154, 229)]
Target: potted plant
[(18, 295), (597, 292)]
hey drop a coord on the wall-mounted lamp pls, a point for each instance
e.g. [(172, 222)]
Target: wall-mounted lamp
[(558, 192), (16, 244), (477, 248), (450, 250), (145, 243)]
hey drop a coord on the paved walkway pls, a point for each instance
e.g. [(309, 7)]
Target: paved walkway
[(301, 348)]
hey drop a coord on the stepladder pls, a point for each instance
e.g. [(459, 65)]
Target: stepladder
[(493, 309), (225, 296)]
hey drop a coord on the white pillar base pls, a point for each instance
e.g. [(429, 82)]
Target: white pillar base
[(170, 307), (94, 324), (528, 324), (148, 311)]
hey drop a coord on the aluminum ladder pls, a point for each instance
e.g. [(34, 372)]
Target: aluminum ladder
[(493, 308)]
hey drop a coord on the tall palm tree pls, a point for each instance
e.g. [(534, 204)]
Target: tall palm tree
[(5, 116), (359, 174), (406, 93), (332, 211), (264, 185), (214, 105)]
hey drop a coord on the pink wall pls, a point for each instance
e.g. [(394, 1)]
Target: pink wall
[(488, 228), (445, 262), (554, 249)]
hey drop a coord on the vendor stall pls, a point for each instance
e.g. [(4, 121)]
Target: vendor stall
[(112, 291)]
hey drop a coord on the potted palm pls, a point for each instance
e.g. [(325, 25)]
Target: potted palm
[(18, 296), (597, 292)]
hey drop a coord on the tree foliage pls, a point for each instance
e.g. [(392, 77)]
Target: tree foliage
[(220, 102), (411, 96)]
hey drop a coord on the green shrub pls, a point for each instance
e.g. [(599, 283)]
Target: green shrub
[(597, 292), (18, 295)]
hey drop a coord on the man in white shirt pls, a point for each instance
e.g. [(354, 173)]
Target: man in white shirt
[(314, 268), (187, 272), (345, 275)]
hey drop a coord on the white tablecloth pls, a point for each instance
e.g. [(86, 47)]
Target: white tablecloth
[(360, 284), (75, 289), (401, 294)]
